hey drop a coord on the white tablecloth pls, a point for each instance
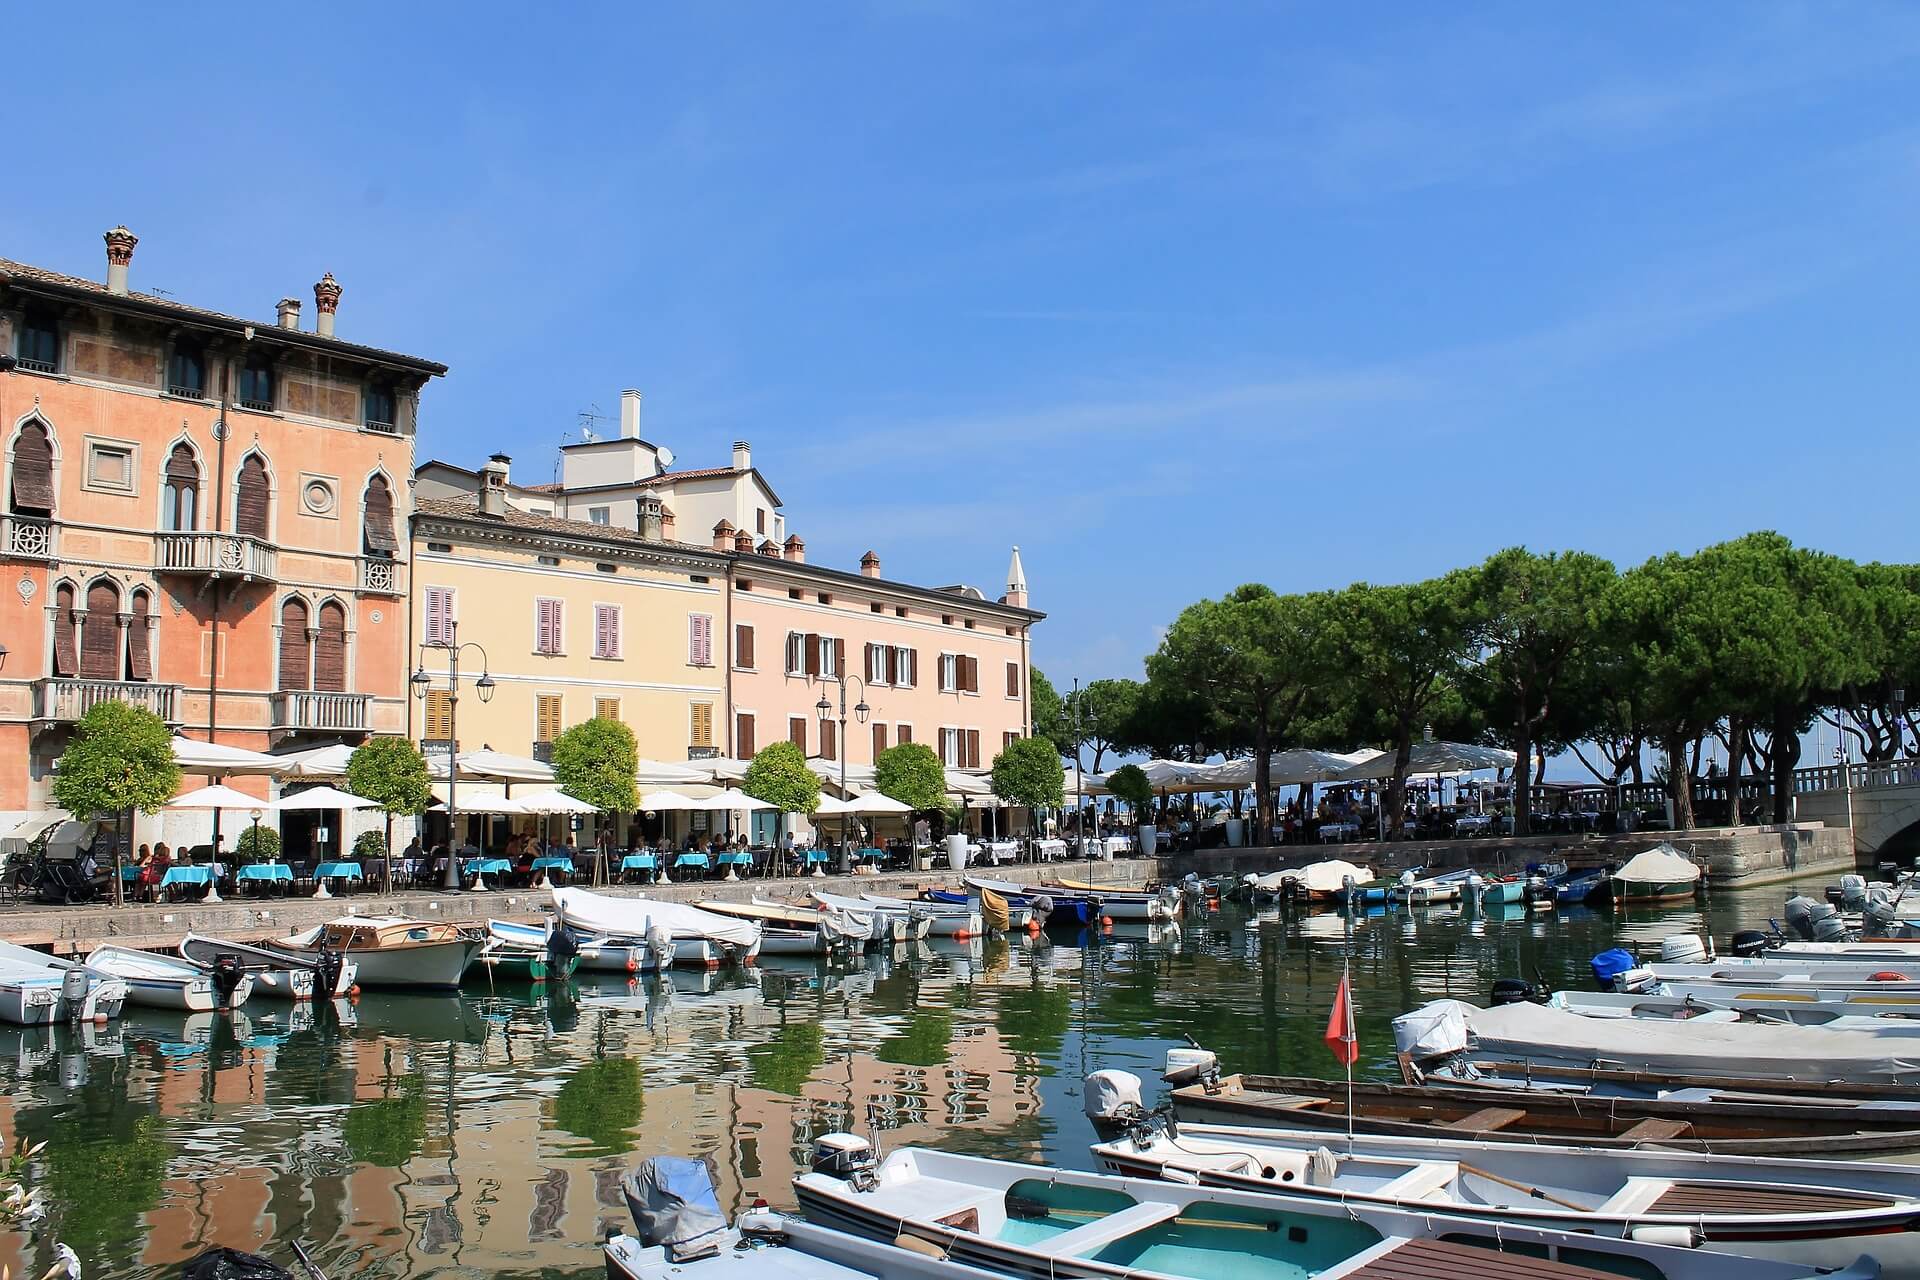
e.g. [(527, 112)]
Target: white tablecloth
[(1473, 822), (1051, 848), (1000, 850), (1117, 845), (1334, 831)]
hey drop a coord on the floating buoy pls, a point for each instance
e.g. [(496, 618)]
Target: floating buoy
[(1887, 975), (1033, 926), (1106, 922), (961, 935)]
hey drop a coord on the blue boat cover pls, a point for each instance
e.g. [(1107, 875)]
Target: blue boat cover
[(674, 1206)]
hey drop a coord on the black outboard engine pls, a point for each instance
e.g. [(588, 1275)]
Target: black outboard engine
[(326, 974), (1512, 991), (228, 973), (1749, 942), (560, 946)]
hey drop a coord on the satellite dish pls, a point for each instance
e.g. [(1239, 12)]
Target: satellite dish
[(665, 455)]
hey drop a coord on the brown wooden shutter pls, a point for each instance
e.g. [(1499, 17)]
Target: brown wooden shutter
[(973, 748), (606, 708), (1013, 679), (797, 732), (703, 724), (829, 742), (140, 640), (546, 717), (439, 726), (912, 668), (879, 740), (839, 657), (904, 733), (812, 655), (969, 674), (330, 650), (100, 634), (743, 648), (250, 499), (378, 518), (182, 468), (743, 747), (293, 646), (33, 471), (65, 661)]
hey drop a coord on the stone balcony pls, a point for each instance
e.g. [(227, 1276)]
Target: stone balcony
[(29, 537), (216, 556), (379, 576), (299, 711), (58, 700)]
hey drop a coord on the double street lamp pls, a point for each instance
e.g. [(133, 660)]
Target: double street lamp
[(423, 684), (860, 710)]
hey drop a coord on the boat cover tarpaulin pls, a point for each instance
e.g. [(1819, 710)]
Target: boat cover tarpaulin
[(1325, 877), (1660, 865), (673, 1206), (1693, 1047), (630, 918)]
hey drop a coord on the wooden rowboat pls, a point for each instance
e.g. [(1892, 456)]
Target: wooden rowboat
[(1774, 1128)]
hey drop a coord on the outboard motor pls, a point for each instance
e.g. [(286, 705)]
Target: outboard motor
[(1683, 948), (1113, 1098), (1184, 1066), (660, 947), (1042, 907), (560, 945), (1878, 916), (1513, 991), (844, 1155), (1853, 892), (1800, 909), (1609, 965), (228, 973), (73, 990), (326, 974), (1748, 943), (1824, 923)]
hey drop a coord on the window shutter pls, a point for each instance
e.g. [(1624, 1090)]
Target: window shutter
[(797, 732), (867, 674), (892, 655), (100, 634), (606, 708), (140, 641), (33, 471), (330, 650), (839, 657), (829, 744), (439, 605), (970, 674), (65, 662), (904, 733), (293, 645), (879, 740), (973, 748), (703, 724), (743, 647), (700, 639), (910, 665), (743, 747), (546, 726), (439, 726), (377, 517), (546, 626), (813, 654), (250, 499), (1013, 679)]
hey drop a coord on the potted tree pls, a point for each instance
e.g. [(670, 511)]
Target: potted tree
[(597, 762), (1130, 783), (912, 774), (392, 773), (779, 776), (1028, 773), (120, 760)]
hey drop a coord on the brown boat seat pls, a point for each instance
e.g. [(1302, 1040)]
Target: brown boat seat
[(1653, 1129), (1290, 1101), (1487, 1119)]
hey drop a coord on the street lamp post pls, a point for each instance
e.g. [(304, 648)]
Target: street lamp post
[(422, 685), (860, 710)]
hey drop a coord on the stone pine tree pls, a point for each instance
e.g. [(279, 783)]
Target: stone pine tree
[(1027, 774), (392, 773), (779, 775), (120, 761), (597, 762)]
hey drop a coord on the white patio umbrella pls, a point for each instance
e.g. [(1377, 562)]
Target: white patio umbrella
[(194, 756), (741, 802), (868, 803), (659, 773), (552, 801), (669, 802), (317, 762), (217, 800), (321, 798), (498, 766), (1430, 757)]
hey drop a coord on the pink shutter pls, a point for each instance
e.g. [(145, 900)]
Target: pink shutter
[(547, 626), (706, 640), (439, 601)]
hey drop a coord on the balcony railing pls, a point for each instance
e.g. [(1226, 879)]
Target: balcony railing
[(62, 699), (258, 406), (379, 576), (187, 393), (217, 555), (321, 712), (37, 366), (30, 537), (384, 428)]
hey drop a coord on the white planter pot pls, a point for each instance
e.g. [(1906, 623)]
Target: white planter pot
[(1236, 832), (1149, 840), (956, 853)]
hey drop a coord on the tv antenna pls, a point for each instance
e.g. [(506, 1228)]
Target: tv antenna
[(588, 417)]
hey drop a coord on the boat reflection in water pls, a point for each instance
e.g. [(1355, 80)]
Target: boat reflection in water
[(483, 1134)]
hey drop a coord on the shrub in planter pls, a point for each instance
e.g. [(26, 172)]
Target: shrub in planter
[(257, 844)]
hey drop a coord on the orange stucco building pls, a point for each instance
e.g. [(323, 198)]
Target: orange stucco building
[(203, 515)]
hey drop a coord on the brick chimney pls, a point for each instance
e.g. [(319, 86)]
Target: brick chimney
[(742, 456), (120, 242), (723, 536), (326, 301), (796, 549), (288, 309), (493, 485), (666, 523), (652, 518), (870, 565), (770, 548), (743, 543)]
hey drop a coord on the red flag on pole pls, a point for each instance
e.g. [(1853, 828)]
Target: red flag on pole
[(1340, 1036)]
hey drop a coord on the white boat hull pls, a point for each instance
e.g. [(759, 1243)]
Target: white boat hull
[(428, 965), (792, 942), (30, 1001)]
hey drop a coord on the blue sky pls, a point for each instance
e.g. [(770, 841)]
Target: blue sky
[(1175, 297)]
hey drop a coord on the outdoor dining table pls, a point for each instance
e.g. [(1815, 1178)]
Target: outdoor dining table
[(554, 862), (186, 875), (1050, 848), (1473, 822), (735, 858), (267, 873), (481, 868), (818, 857), (1001, 850), (130, 874), (639, 862), (697, 860), (1332, 832)]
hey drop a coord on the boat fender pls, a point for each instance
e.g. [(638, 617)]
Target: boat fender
[(1182, 1176), (1677, 1237), (1112, 1095), (1887, 975)]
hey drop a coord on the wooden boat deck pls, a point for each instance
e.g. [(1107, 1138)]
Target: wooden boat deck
[(1717, 1198), (1445, 1260)]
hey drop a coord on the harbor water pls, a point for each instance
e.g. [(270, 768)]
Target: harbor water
[(485, 1135)]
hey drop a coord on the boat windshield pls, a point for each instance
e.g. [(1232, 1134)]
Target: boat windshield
[(1038, 1209)]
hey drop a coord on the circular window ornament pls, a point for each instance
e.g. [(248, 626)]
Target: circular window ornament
[(317, 497)]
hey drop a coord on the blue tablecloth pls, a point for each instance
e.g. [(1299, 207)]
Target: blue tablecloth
[(818, 855), (130, 874), (876, 855), (553, 864), (265, 871), (488, 866), (339, 871), (691, 860), (639, 862), (187, 875), (735, 860)]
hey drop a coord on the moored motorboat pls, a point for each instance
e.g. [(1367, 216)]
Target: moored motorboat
[(30, 994), (901, 923), (605, 919), (1020, 915), (517, 952), (1660, 874), (1049, 907), (277, 973), (390, 951), (1817, 1214), (943, 920), (781, 926), (1680, 1002), (101, 998), (169, 982), (1500, 890), (1121, 904), (1323, 881), (1416, 890), (1578, 887)]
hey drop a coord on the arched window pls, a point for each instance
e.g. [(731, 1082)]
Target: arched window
[(140, 639), (250, 498), (33, 470), (39, 345), (66, 621), (187, 370), (100, 634), (256, 385), (293, 645), (376, 514), (180, 501), (330, 649)]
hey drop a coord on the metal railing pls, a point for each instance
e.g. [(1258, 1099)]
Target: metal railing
[(328, 712), (30, 537), (187, 393), (384, 428), (258, 406), (379, 575), (36, 366), (216, 554), (58, 698)]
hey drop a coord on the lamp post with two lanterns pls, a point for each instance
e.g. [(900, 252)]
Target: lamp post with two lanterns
[(860, 710), (423, 684)]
